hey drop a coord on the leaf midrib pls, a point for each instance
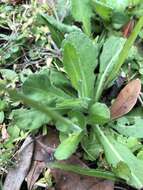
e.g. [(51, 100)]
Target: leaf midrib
[(117, 154), (79, 75), (103, 76), (41, 91)]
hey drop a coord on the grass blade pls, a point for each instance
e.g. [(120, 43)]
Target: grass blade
[(85, 171), (125, 51)]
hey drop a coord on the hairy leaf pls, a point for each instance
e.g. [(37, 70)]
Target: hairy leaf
[(78, 118), (57, 78), (60, 80), (58, 25), (57, 28), (129, 127), (82, 12), (38, 87), (68, 146), (109, 56), (73, 168), (42, 108), (99, 113), (107, 8), (91, 146), (122, 170), (80, 60), (116, 152), (73, 103), (78, 169), (29, 119), (102, 9), (125, 50)]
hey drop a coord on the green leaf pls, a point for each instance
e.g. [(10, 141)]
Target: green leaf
[(58, 79), (85, 171), (108, 59), (38, 87), (125, 51), (117, 5), (57, 28), (68, 146), (14, 132), (41, 107), (41, 87), (107, 8), (62, 136), (73, 103), (129, 126), (3, 105), (140, 155), (79, 62), (99, 113), (116, 152), (76, 117), (119, 19), (29, 119), (58, 25), (131, 142), (122, 170), (91, 146), (102, 9), (63, 128), (82, 12)]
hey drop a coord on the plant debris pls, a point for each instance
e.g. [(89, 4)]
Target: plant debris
[(16, 175), (126, 99)]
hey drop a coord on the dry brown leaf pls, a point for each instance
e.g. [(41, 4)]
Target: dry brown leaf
[(127, 29), (69, 181), (44, 147), (34, 173), (16, 175), (4, 132), (43, 153), (126, 99)]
